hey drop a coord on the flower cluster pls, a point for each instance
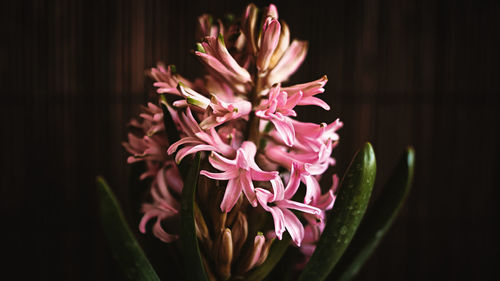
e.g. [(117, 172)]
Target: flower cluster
[(259, 157)]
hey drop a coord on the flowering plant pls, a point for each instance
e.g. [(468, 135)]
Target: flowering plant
[(234, 175)]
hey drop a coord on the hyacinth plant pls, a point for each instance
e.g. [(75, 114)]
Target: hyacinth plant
[(234, 174)]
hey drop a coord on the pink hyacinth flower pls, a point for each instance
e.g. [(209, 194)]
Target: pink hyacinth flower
[(240, 173), (288, 63), (216, 57), (308, 165), (164, 206), (167, 79), (197, 139), (308, 91), (221, 112), (312, 136), (276, 109), (284, 219)]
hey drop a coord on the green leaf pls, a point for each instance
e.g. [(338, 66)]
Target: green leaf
[(190, 248), (378, 219), (278, 249), (125, 249), (350, 206)]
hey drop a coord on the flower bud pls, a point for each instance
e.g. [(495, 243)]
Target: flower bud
[(283, 44), (202, 229), (192, 97), (240, 233), (224, 252), (268, 42), (218, 217), (248, 26), (265, 252), (248, 261)]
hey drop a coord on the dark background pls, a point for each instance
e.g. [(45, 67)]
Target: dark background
[(400, 72)]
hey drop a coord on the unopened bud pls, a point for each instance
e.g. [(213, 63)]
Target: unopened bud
[(201, 228), (249, 260), (224, 254), (240, 233), (283, 44), (265, 252), (217, 216), (249, 22), (192, 97)]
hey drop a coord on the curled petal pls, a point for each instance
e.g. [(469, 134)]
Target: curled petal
[(227, 175)]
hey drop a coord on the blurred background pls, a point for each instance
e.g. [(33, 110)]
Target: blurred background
[(422, 73)]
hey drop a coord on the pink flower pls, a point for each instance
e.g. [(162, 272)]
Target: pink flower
[(240, 173), (164, 206), (221, 112), (197, 139), (315, 227), (312, 136), (167, 79), (276, 109), (308, 91), (288, 63), (150, 143), (216, 57), (193, 99), (284, 219)]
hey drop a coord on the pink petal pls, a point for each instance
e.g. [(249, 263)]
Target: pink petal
[(284, 128), (231, 195), (227, 175), (248, 188), (279, 221), (313, 189), (221, 163), (294, 181), (289, 204), (185, 140), (183, 152), (293, 226), (289, 62), (314, 101), (263, 175), (230, 62)]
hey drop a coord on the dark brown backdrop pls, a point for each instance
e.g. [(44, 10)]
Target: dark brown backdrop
[(400, 72)]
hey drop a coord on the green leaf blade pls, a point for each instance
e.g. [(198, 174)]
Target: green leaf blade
[(350, 206), (193, 262), (378, 219), (124, 247)]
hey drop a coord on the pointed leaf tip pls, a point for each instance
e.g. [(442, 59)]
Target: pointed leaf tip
[(378, 219)]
